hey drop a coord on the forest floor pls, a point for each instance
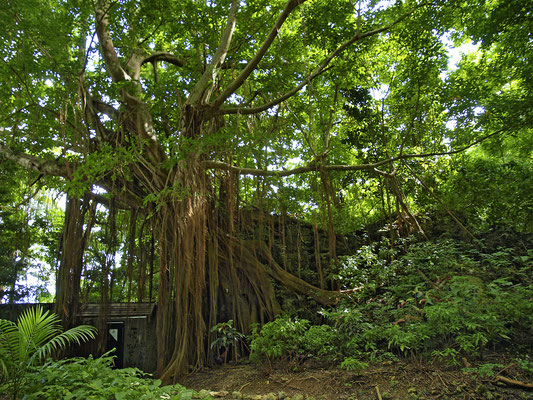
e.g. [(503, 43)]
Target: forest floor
[(398, 380)]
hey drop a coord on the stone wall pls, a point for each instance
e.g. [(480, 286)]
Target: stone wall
[(297, 246)]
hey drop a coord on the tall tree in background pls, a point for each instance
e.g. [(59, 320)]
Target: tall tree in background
[(170, 108), (14, 237), (74, 241)]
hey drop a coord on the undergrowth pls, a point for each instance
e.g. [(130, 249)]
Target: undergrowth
[(94, 378), (440, 300)]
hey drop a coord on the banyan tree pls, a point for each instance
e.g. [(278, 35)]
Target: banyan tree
[(186, 112)]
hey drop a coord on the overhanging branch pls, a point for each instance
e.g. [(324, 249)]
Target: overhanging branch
[(237, 82), (32, 163), (315, 165), (164, 56), (312, 166), (322, 67)]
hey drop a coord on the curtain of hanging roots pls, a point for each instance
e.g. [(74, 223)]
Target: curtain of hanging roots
[(206, 276), (106, 281), (183, 236)]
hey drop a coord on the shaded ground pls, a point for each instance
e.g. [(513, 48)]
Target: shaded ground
[(399, 380)]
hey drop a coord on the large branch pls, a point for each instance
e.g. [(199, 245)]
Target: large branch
[(138, 119), (106, 109), (319, 166), (164, 56), (312, 166), (322, 67), (107, 48), (203, 87), (290, 281), (33, 163), (120, 188), (238, 82)]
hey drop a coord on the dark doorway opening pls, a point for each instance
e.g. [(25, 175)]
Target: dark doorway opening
[(115, 340)]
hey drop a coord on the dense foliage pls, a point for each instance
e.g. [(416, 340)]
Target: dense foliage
[(89, 378), (186, 134), (440, 300)]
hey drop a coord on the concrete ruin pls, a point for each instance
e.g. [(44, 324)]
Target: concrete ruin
[(130, 328)]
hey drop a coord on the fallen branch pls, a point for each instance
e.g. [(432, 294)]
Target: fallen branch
[(348, 291), (513, 382), (379, 394)]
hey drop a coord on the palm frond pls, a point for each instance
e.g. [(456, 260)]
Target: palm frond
[(77, 334), (35, 336), (8, 347)]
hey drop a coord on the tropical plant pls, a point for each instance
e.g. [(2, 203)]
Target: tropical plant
[(442, 300), (292, 340), (353, 364), (281, 339), (227, 335), (35, 336), (95, 378)]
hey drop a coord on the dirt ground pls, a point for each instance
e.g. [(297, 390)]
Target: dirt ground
[(398, 380)]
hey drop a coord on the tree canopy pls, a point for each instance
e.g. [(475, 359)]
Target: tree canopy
[(176, 117)]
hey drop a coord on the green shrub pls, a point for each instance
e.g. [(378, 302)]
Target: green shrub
[(320, 341), (278, 339), (525, 364), (353, 364), (291, 340), (434, 300), (484, 370), (226, 336), (442, 300), (89, 378)]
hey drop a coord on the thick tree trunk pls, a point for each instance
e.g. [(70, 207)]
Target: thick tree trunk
[(204, 277), (182, 241)]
